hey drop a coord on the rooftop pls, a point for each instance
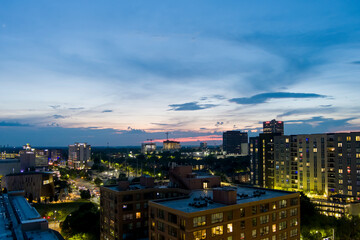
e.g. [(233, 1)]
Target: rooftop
[(201, 200), (23, 209)]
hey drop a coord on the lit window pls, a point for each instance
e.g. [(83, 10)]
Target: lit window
[(274, 227), (199, 221), (348, 138), (218, 230), (138, 215), (357, 138), (339, 144), (315, 150), (253, 233), (201, 234), (230, 228)]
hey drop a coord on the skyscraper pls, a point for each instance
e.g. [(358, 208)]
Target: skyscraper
[(79, 155), (235, 142), (273, 126)]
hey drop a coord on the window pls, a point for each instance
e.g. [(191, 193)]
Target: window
[(216, 217), (138, 215), (293, 232), (274, 227), (357, 138), (348, 138), (199, 221), (282, 214), (242, 224), (161, 214), (293, 212), (253, 233), (242, 236), (264, 219), (242, 212), (254, 222), (127, 216), (172, 231), (264, 230), (218, 230), (172, 218), (229, 215), (282, 225), (274, 217), (294, 201), (253, 210), (293, 222), (138, 206), (264, 208), (282, 203), (161, 226), (229, 228), (282, 236)]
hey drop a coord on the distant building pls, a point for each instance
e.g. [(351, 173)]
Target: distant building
[(79, 155), (38, 186), (273, 126), (227, 213), (124, 208), (171, 145), (55, 155), (31, 158), (5, 155), (236, 143), (148, 148), (203, 146), (21, 221)]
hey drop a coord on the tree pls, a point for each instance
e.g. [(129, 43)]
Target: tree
[(84, 220), (85, 194), (97, 181)]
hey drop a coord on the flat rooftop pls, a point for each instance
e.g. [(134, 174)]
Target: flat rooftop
[(38, 235), (23, 209), (203, 199)]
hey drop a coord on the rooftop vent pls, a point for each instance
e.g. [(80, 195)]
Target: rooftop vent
[(225, 195)]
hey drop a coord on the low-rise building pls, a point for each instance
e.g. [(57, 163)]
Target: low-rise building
[(21, 221), (124, 207), (227, 213)]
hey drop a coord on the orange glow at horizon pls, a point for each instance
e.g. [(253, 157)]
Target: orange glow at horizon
[(191, 139)]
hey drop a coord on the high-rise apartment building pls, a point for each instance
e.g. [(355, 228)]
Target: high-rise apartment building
[(227, 213), (79, 155), (319, 163), (273, 126), (148, 148), (262, 163), (31, 158), (235, 142)]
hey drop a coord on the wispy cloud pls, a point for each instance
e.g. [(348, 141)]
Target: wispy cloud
[(190, 106), (58, 116), (13, 124), (55, 106), (76, 108), (305, 111), (107, 111), (264, 97), (355, 62)]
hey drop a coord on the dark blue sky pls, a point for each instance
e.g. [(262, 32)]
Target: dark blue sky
[(125, 71)]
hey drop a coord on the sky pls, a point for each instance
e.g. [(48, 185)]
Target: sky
[(121, 72)]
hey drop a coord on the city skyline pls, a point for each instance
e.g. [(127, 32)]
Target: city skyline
[(126, 72)]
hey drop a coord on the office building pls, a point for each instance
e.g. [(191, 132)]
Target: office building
[(169, 145), (31, 158), (148, 148), (235, 143), (79, 156), (273, 126), (124, 207), (21, 221), (227, 213)]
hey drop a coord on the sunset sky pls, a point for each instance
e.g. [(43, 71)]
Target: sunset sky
[(122, 72)]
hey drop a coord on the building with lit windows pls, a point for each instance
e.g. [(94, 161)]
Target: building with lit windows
[(79, 155), (273, 126), (229, 213), (169, 145), (124, 207), (148, 148)]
